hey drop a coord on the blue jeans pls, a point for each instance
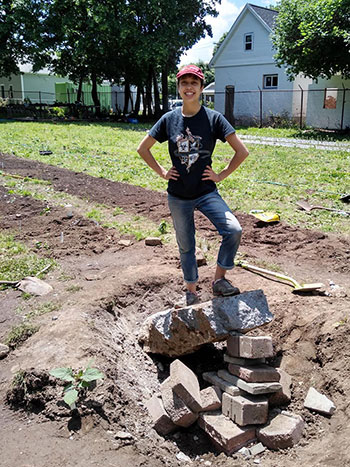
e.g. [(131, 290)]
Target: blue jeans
[(217, 211)]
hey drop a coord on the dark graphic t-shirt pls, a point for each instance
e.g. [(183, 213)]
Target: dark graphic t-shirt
[(191, 142)]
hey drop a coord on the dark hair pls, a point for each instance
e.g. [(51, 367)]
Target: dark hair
[(190, 74)]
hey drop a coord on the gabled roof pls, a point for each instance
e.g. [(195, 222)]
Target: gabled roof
[(267, 15), (264, 15)]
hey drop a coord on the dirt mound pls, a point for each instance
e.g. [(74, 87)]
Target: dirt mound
[(104, 291)]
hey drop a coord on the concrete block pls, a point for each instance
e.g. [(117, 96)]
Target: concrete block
[(249, 347), (185, 384), (319, 402), (254, 374), (213, 378), (257, 449), (245, 410), (161, 420), (223, 433), (284, 395), (251, 388), (177, 410), (211, 398), (243, 361), (283, 431)]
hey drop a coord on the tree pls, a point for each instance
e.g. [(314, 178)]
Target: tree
[(220, 41), (313, 38), (19, 26)]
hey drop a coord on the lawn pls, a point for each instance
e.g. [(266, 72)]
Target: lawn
[(272, 178)]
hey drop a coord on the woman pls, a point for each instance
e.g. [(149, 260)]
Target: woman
[(191, 132)]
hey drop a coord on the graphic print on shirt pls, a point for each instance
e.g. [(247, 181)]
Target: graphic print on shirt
[(189, 149)]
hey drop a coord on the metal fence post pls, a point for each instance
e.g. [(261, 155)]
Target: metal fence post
[(301, 106), (342, 109), (229, 103), (261, 107)]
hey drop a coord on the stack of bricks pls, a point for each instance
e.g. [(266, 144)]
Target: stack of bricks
[(246, 389), (234, 411), (180, 400)]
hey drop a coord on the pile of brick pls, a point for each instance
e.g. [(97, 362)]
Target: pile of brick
[(235, 410)]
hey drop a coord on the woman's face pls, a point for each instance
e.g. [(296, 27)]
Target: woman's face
[(190, 88)]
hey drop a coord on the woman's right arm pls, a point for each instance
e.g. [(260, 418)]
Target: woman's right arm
[(144, 150)]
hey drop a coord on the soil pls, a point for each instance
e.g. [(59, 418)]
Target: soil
[(103, 291)]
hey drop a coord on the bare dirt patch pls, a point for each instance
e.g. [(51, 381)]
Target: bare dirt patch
[(104, 291)]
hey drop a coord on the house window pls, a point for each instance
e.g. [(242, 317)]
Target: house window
[(2, 90), (248, 41), (330, 98), (11, 92), (270, 81)]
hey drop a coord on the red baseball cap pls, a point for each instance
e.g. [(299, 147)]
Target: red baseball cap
[(191, 70)]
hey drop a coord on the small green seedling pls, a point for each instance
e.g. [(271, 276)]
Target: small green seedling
[(77, 382)]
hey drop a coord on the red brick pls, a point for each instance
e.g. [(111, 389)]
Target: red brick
[(243, 361), (177, 410), (255, 374), (245, 410), (161, 420), (249, 347), (185, 384), (211, 398), (284, 395), (224, 433), (283, 431)]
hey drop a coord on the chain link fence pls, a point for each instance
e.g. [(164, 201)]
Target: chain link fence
[(327, 108)]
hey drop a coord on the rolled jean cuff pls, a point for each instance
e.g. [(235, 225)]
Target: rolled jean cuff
[(191, 282), (225, 267)]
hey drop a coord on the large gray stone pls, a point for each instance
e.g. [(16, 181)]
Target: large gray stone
[(34, 286), (176, 332)]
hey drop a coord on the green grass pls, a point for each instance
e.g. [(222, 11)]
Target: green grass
[(16, 261), (108, 150), (19, 334)]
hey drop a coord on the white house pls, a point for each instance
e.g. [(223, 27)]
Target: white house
[(37, 87), (262, 91)]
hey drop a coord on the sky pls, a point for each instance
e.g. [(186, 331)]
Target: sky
[(228, 12)]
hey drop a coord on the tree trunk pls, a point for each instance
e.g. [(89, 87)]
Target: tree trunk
[(149, 92), (165, 90), (94, 95), (143, 102), (80, 89), (126, 97), (157, 108), (138, 101)]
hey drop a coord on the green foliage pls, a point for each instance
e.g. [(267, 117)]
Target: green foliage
[(220, 41), (313, 38), (58, 112), (77, 382), (163, 227)]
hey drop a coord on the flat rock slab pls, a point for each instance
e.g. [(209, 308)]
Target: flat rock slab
[(319, 402), (176, 332), (251, 388)]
